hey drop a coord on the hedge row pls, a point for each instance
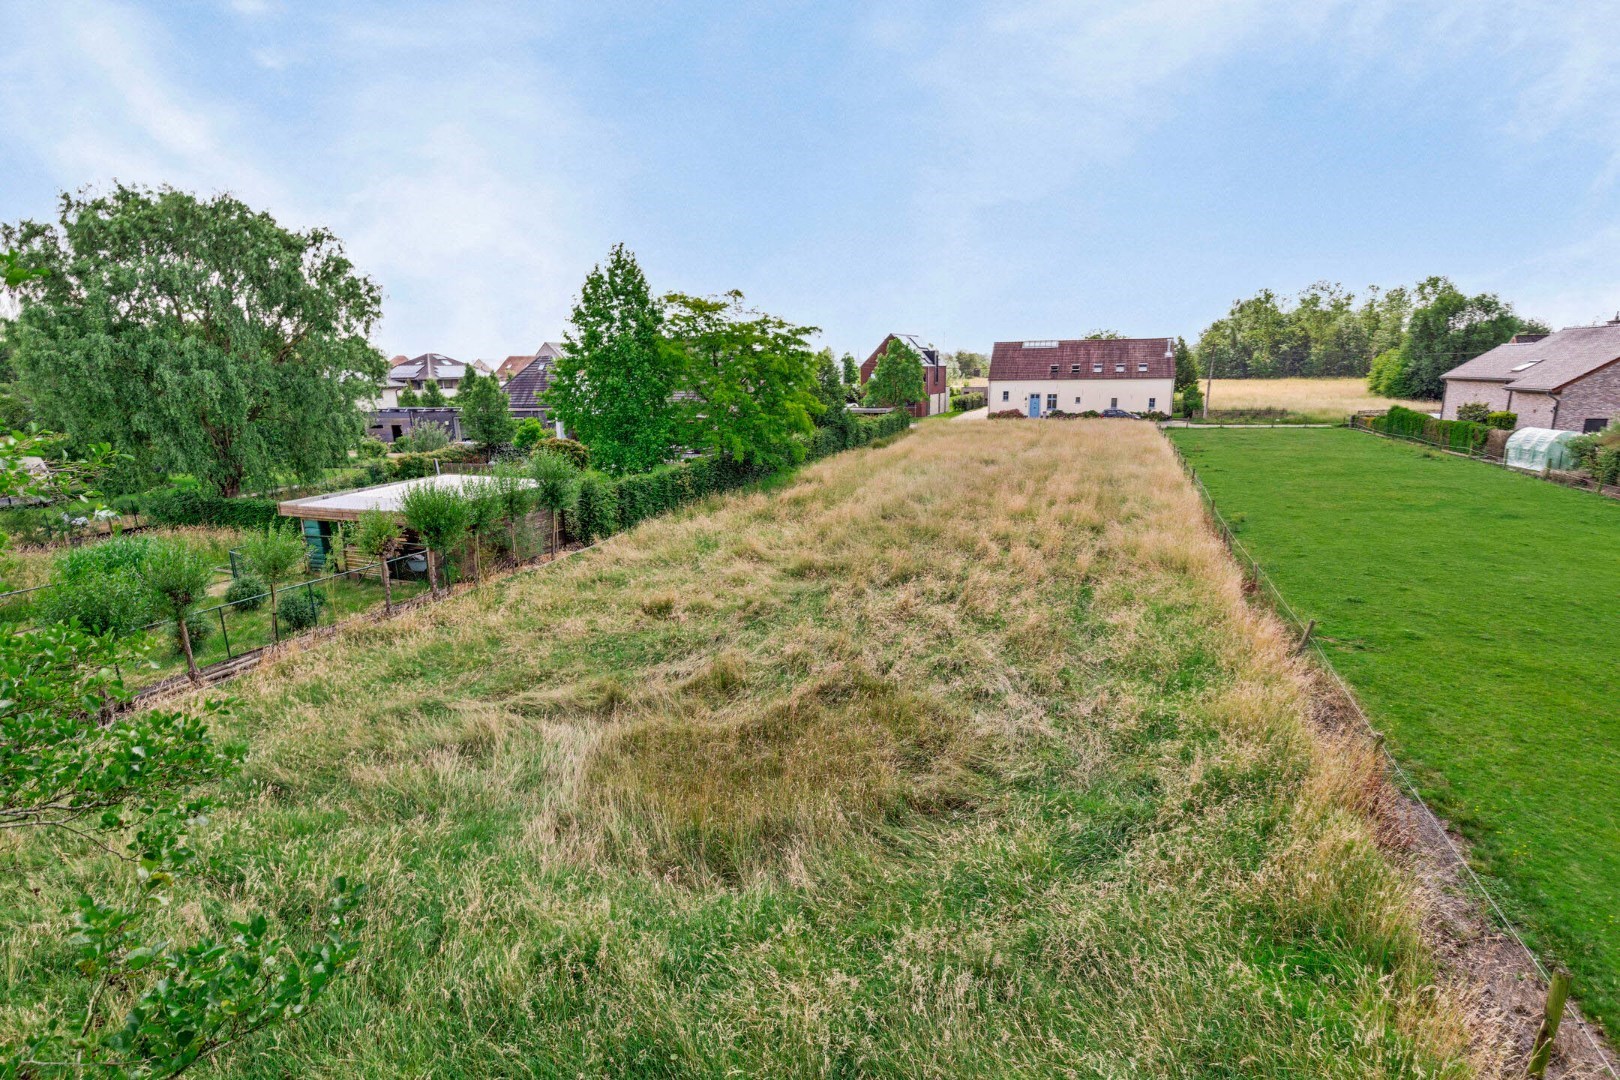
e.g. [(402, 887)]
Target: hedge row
[(186, 506), (1464, 435), (608, 504)]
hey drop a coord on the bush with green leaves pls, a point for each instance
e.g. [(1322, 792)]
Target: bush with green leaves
[(527, 433), (596, 512), (424, 438), (247, 591), (574, 451), (99, 585), (190, 506), (1501, 421), (278, 555), (372, 448), (1474, 412), (177, 575), (300, 610), (437, 513), (556, 488)]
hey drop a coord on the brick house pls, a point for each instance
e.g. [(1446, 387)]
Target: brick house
[(1039, 377), (1568, 380), (934, 383), (548, 351)]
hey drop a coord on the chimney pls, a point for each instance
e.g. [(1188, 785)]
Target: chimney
[(1614, 321), (1525, 339)]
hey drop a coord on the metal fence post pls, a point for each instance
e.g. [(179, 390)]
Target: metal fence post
[(225, 633)]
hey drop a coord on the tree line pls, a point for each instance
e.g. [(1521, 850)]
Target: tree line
[(1401, 339)]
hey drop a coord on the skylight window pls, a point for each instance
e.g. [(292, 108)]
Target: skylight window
[(1040, 344), (1526, 364)]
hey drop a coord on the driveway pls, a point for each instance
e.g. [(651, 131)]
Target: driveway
[(975, 414)]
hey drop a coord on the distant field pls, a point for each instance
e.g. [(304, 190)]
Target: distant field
[(1324, 400), (1476, 613), (962, 757)]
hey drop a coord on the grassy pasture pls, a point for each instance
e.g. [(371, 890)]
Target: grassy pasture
[(963, 756), (1299, 400), (1475, 613)]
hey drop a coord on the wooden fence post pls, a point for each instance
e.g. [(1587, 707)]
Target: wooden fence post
[(1305, 638), (1557, 995)]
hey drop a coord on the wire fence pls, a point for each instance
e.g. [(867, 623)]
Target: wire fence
[(1578, 481), (1256, 574)]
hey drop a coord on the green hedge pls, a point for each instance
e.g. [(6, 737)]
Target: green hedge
[(187, 506), (1464, 435), (608, 504)]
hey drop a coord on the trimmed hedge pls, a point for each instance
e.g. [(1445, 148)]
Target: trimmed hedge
[(1464, 435), (187, 506), (607, 505)]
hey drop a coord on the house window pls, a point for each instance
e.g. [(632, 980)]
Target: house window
[(1054, 369), (1141, 367), (1077, 399), (1004, 395), (1074, 369), (1594, 424), (1051, 402), (1151, 403), (1119, 367), (1113, 403), (1096, 369)]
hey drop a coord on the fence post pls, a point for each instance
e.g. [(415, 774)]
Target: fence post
[(224, 633), (1552, 1016), (1305, 638)]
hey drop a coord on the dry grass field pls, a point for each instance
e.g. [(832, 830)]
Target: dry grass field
[(962, 757), (1322, 400)]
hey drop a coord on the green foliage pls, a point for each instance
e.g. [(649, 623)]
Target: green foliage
[(300, 610), (1501, 421), (1455, 434), (431, 396), (278, 554), (572, 449), (246, 592), (377, 533), (99, 585), (1192, 399), (967, 402), (486, 414), (1474, 412), (373, 448), (177, 574), (850, 371), (198, 336), (408, 398), (1324, 333), (437, 513), (897, 379), (970, 365), (829, 387), (188, 506), (1104, 335), (613, 385), (527, 434), (556, 487), (596, 512), (1448, 327), (1186, 365), (425, 437)]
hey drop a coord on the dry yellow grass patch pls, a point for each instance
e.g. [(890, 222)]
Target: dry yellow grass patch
[(1330, 398)]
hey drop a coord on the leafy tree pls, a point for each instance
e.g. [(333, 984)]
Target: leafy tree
[(971, 365), (484, 507), (199, 336), (556, 488), (750, 379), (897, 379), (408, 398), (437, 513), (851, 371), (829, 388), (613, 385), (178, 575), (510, 487), (1448, 327), (432, 397), (1104, 335), (1186, 366), (278, 554), (378, 534), (486, 414)]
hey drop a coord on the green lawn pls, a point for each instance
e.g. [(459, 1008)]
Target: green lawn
[(1477, 614)]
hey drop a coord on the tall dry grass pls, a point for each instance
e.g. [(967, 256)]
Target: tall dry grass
[(1328, 399), (961, 757)]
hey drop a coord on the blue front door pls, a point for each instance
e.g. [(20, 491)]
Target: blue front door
[(1034, 406)]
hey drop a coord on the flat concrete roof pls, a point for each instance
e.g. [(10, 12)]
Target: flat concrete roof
[(349, 505)]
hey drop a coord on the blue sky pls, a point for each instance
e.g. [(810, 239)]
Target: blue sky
[(964, 171)]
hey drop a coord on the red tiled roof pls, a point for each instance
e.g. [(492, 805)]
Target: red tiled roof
[(512, 365), (1079, 359)]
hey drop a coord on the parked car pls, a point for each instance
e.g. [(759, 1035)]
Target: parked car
[(1120, 414)]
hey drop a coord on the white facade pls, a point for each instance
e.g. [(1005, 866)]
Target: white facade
[(1081, 395)]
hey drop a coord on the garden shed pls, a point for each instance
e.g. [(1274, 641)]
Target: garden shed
[(1539, 449)]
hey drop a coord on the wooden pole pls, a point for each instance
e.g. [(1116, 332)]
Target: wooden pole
[(1557, 995), (1305, 638)]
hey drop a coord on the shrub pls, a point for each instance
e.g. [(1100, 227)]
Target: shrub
[(373, 448), (1474, 412), (247, 592), (438, 514), (574, 451), (189, 506), (528, 433), (1501, 421), (300, 610), (596, 514), (1007, 414), (1606, 465), (1155, 415), (100, 586), (424, 438), (1089, 414), (967, 402), (177, 575), (1461, 435)]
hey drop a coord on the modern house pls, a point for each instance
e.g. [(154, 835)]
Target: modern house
[(391, 424), (548, 351), (417, 372), (1568, 380), (524, 389), (1046, 376), (934, 384)]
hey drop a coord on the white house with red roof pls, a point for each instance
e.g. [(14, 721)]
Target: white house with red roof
[(1043, 376)]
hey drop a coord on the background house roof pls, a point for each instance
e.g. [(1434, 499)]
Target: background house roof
[(429, 366), (523, 390), (1034, 359), (928, 353), (1547, 364)]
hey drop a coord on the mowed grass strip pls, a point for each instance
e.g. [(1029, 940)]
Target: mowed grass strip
[(1474, 610), (961, 757)]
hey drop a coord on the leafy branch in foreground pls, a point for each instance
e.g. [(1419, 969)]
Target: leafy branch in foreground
[(199, 1000)]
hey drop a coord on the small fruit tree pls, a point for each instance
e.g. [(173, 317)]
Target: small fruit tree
[(437, 513), (178, 575), (556, 487), (278, 555), (377, 533)]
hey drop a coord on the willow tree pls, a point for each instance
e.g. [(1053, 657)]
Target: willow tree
[(197, 335)]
